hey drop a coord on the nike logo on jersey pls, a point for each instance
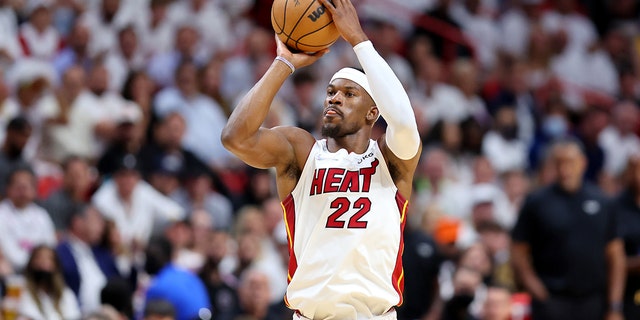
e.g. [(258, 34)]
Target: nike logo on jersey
[(328, 180)]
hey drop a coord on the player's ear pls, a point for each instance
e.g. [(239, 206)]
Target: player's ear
[(373, 114)]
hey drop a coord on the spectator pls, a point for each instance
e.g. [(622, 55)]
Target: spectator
[(210, 21), (211, 83), (479, 26), (135, 207), (619, 140), (30, 80), (118, 295), (159, 310), (76, 52), (72, 124), (157, 31), (110, 102), (38, 38), (127, 56), (567, 233), (305, 85), (497, 241), (180, 235), (163, 66), (199, 194), (465, 284), (497, 305), (204, 116), (385, 34), (629, 216), (222, 292), (104, 19), (591, 125), (86, 266), (24, 225), (76, 186), (18, 131), (254, 298), (46, 296), (434, 185), (128, 138), (564, 20), (462, 101), (139, 89), (9, 45), (448, 136), (555, 124), (516, 185), (516, 24), (184, 290), (502, 146)]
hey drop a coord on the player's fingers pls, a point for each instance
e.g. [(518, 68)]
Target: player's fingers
[(329, 5)]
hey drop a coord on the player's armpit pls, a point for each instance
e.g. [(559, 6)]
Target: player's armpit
[(401, 170)]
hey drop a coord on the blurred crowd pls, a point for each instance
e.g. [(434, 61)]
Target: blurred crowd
[(119, 201)]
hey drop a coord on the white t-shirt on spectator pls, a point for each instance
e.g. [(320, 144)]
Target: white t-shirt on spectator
[(9, 31), (76, 137), (43, 46), (482, 31), (582, 70), (212, 23), (503, 154), (515, 32), (136, 221), (105, 35), (617, 149), (156, 40), (581, 32), (119, 67), (23, 229), (68, 306), (445, 103)]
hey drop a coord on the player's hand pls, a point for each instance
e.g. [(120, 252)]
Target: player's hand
[(345, 17), (298, 60)]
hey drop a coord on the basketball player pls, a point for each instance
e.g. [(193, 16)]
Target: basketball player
[(344, 197)]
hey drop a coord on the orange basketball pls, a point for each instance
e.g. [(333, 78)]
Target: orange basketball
[(303, 25)]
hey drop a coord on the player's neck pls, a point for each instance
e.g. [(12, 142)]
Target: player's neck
[(357, 142)]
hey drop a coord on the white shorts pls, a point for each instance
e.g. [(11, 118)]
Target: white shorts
[(389, 315)]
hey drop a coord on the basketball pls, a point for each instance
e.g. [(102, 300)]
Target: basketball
[(303, 25)]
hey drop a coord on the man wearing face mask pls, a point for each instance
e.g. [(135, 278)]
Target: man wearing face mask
[(465, 283), (502, 146), (554, 125)]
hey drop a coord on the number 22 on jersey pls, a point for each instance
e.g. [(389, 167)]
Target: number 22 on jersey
[(342, 205)]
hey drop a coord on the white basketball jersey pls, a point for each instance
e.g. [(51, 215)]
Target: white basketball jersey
[(344, 221)]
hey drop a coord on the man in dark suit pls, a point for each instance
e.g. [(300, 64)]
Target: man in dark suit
[(86, 266)]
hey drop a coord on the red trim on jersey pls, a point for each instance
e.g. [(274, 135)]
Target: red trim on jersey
[(289, 211), (24, 45), (398, 272)]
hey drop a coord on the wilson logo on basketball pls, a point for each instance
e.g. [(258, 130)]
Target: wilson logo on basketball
[(317, 13)]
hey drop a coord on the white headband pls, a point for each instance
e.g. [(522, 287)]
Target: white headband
[(354, 75)]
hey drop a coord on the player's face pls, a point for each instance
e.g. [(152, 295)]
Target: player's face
[(347, 108)]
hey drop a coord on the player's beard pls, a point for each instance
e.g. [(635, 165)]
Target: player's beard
[(331, 130)]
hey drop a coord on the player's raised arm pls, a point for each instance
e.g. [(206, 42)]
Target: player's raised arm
[(243, 136), (402, 137)]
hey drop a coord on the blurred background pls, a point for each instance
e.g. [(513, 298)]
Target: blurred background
[(119, 201)]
